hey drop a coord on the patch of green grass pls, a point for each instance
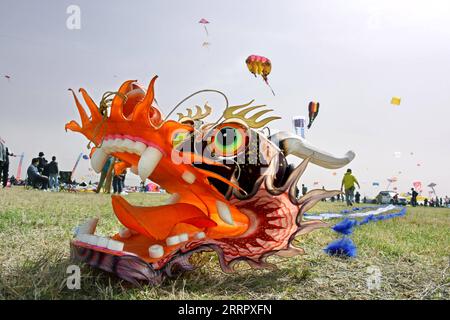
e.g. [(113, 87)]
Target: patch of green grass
[(411, 252)]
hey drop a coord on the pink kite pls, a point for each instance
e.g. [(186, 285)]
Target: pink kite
[(204, 22)]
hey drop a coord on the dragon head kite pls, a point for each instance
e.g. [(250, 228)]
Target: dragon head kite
[(232, 189)]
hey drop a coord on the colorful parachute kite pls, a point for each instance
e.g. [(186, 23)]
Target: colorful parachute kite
[(204, 22), (260, 65), (417, 185), (396, 101), (432, 185), (313, 110)]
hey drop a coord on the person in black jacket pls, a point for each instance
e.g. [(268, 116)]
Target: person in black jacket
[(34, 175), (4, 172), (53, 172), (42, 162), (414, 195)]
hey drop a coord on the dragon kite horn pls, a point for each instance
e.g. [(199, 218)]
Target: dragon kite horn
[(239, 113), (199, 114)]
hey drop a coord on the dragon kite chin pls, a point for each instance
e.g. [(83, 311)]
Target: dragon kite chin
[(232, 189)]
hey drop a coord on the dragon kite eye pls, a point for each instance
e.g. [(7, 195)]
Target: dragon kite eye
[(228, 141)]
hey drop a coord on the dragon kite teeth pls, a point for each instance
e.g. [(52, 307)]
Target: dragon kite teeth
[(148, 162), (234, 191)]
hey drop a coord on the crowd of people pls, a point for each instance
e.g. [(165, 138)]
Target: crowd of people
[(42, 174)]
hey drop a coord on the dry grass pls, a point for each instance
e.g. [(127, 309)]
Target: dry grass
[(35, 228)]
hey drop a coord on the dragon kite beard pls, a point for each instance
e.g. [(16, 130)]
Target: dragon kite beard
[(198, 216)]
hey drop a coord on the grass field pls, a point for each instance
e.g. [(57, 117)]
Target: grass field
[(412, 253)]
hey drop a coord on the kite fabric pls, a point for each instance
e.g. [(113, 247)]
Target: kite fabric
[(259, 65), (204, 22), (344, 213), (313, 111), (155, 240), (396, 101)]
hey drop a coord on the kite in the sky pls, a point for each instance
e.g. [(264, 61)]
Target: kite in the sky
[(313, 111), (206, 44), (260, 65), (396, 101), (417, 185), (7, 77), (204, 22)]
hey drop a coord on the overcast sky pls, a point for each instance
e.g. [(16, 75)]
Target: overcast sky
[(350, 55)]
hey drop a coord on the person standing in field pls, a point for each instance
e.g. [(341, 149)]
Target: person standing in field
[(53, 172), (4, 166), (348, 182), (414, 195), (42, 162)]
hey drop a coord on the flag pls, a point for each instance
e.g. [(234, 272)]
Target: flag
[(396, 101), (75, 166), (19, 168)]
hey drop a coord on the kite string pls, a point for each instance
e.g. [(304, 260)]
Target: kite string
[(192, 95)]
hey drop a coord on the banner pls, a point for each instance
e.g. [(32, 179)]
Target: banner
[(19, 168), (299, 126), (75, 166)]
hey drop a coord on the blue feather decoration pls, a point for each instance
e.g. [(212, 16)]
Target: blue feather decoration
[(345, 226), (341, 247), (345, 246)]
